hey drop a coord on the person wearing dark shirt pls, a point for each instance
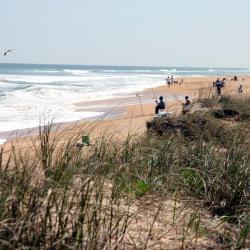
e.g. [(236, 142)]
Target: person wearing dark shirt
[(219, 86), (240, 89), (186, 106), (217, 81), (160, 105)]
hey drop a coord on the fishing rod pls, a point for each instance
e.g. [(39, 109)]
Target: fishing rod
[(153, 92), (153, 88)]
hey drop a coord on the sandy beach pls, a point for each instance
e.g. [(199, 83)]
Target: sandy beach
[(125, 116)]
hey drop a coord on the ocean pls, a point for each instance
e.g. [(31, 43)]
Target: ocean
[(28, 92)]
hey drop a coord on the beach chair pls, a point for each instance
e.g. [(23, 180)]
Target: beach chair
[(85, 142), (163, 113), (187, 109)]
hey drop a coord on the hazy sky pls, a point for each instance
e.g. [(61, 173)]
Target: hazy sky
[(127, 32)]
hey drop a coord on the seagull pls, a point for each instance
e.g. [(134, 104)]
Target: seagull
[(8, 51)]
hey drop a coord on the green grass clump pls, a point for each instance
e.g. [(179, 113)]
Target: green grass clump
[(51, 198), (233, 106), (211, 160)]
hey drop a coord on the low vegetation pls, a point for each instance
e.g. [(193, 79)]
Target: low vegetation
[(57, 196)]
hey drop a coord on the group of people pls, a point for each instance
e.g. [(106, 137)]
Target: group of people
[(219, 84), (186, 106), (161, 105), (170, 80)]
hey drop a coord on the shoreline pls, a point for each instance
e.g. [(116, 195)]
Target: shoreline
[(128, 107)]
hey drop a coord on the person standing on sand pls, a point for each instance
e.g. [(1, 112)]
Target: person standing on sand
[(217, 81), (223, 82), (160, 105), (172, 79), (219, 86), (168, 81), (240, 89)]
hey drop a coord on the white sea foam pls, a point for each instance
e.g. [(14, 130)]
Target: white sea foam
[(76, 72), (34, 119), (111, 71), (21, 107), (127, 70), (37, 78)]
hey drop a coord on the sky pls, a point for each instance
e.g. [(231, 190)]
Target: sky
[(184, 33)]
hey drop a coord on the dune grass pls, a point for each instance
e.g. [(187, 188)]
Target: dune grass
[(57, 196)]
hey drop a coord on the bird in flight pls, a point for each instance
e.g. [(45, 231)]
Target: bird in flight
[(8, 51)]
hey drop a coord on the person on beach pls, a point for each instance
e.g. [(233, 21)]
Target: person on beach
[(216, 82), (160, 105), (223, 82), (219, 86), (186, 107), (172, 79), (240, 89), (168, 81)]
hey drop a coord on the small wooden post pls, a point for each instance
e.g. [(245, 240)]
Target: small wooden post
[(139, 96)]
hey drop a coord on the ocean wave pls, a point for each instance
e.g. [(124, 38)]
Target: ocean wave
[(128, 71), (12, 86), (22, 122), (38, 79), (110, 71), (191, 71), (76, 72), (144, 71), (164, 70), (46, 71)]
